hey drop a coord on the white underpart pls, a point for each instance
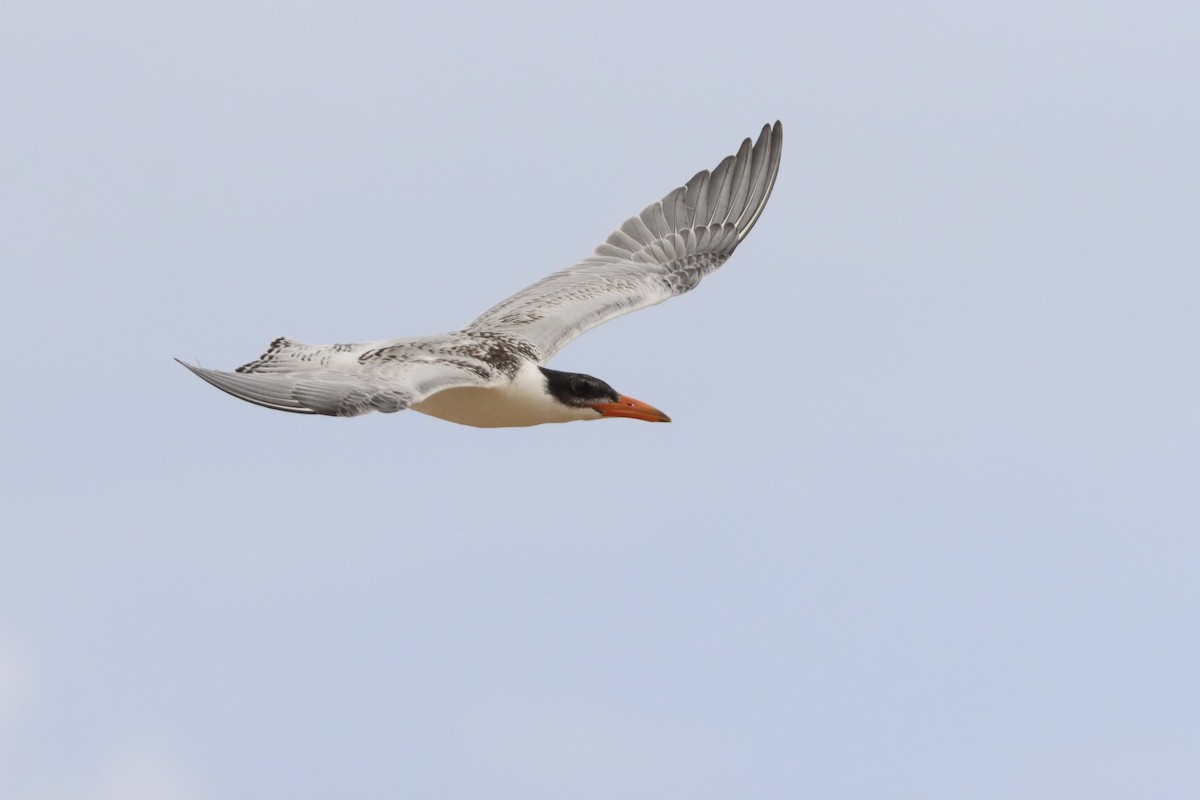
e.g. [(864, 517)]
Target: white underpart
[(518, 404)]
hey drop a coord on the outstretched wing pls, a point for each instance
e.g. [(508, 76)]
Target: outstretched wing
[(660, 253), (348, 380)]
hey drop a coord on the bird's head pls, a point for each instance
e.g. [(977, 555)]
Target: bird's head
[(578, 391)]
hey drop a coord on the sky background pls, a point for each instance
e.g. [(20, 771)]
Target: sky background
[(925, 525)]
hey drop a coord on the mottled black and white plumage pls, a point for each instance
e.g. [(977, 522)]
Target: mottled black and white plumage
[(490, 374)]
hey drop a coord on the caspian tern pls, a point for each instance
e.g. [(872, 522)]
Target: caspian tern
[(490, 374)]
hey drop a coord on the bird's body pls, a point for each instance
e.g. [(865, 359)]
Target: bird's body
[(489, 373), (515, 403)]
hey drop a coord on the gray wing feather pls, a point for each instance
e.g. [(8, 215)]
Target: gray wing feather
[(376, 384), (662, 252), (307, 392)]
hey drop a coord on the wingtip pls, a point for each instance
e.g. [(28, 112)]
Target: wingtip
[(195, 369), (774, 132), (268, 391)]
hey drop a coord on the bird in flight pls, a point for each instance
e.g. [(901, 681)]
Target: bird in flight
[(490, 374)]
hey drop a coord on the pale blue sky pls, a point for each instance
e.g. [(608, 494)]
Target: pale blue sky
[(925, 525)]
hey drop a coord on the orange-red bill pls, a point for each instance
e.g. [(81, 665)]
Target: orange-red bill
[(635, 409)]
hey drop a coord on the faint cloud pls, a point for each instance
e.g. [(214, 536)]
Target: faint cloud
[(16, 686), (128, 774), (144, 774), (134, 770), (14, 678)]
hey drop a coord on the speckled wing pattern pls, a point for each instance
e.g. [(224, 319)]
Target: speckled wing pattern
[(345, 380), (660, 253)]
